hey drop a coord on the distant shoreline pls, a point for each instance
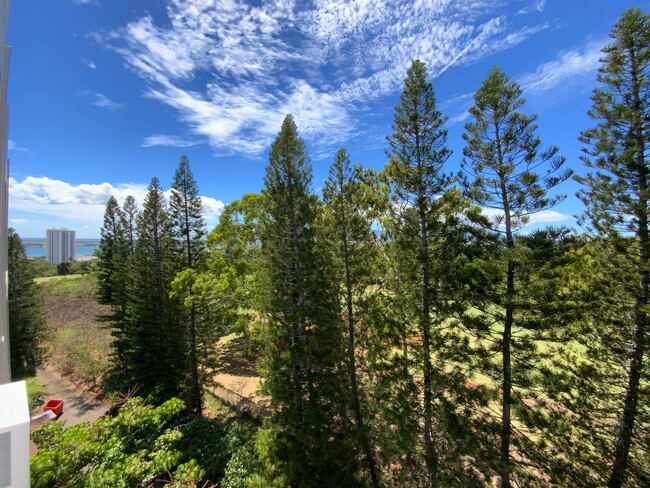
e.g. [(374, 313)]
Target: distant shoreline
[(82, 251)]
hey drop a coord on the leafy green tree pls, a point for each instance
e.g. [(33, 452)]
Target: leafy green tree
[(138, 446), (63, 269), (616, 197), (42, 268), (348, 230), (235, 256), (304, 352), (26, 318), (502, 159), (188, 227), (111, 233)]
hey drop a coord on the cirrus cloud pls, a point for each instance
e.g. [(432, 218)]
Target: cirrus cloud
[(232, 70)]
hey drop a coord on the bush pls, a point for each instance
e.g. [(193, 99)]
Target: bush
[(63, 269), (134, 448), (41, 268), (36, 393), (142, 445)]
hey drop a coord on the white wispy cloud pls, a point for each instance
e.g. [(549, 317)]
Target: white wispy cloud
[(18, 221), (170, 141), (89, 62), (86, 2), (101, 100), (568, 68), (232, 70), (535, 6), (544, 216), (84, 202), (12, 146)]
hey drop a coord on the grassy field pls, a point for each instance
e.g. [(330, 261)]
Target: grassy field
[(54, 278), (78, 343)]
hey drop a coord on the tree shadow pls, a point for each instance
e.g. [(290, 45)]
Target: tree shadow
[(238, 357)]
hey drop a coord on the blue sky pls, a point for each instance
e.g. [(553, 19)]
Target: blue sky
[(105, 94)]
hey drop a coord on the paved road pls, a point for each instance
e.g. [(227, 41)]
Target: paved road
[(77, 407)]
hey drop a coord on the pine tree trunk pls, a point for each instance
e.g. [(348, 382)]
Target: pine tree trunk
[(624, 440), (196, 385), (431, 460), (506, 386), (365, 441), (194, 366), (507, 381)]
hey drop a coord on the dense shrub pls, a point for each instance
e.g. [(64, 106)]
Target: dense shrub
[(134, 448)]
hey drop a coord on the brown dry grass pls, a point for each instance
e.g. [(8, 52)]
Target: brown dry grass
[(79, 342)]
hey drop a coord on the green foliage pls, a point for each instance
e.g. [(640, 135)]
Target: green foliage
[(188, 234), (36, 392), (63, 269), (425, 243), (128, 223), (149, 346), (236, 265), (78, 287), (303, 349), (26, 318), (108, 250), (188, 225), (83, 267), (243, 462), (42, 268), (501, 171), (352, 252), (503, 156), (134, 448), (616, 197)]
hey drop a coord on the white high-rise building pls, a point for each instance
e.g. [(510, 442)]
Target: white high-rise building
[(60, 245)]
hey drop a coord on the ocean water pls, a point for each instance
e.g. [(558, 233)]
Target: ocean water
[(40, 251)]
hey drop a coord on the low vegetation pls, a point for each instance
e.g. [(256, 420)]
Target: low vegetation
[(142, 446), (78, 342)]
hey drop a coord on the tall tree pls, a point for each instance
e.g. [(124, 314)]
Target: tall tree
[(303, 352), (348, 230), (122, 257), (26, 317), (188, 227), (149, 352), (129, 217), (417, 154), (616, 195), (110, 235), (501, 165)]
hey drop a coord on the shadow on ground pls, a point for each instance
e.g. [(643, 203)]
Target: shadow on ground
[(237, 358)]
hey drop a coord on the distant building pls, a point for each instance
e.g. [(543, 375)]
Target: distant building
[(5, 373), (60, 245)]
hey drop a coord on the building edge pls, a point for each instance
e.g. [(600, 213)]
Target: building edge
[(5, 51)]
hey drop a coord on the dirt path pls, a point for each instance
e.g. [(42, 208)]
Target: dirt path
[(77, 407)]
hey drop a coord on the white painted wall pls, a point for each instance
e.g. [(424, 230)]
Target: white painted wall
[(5, 365), (14, 436)]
